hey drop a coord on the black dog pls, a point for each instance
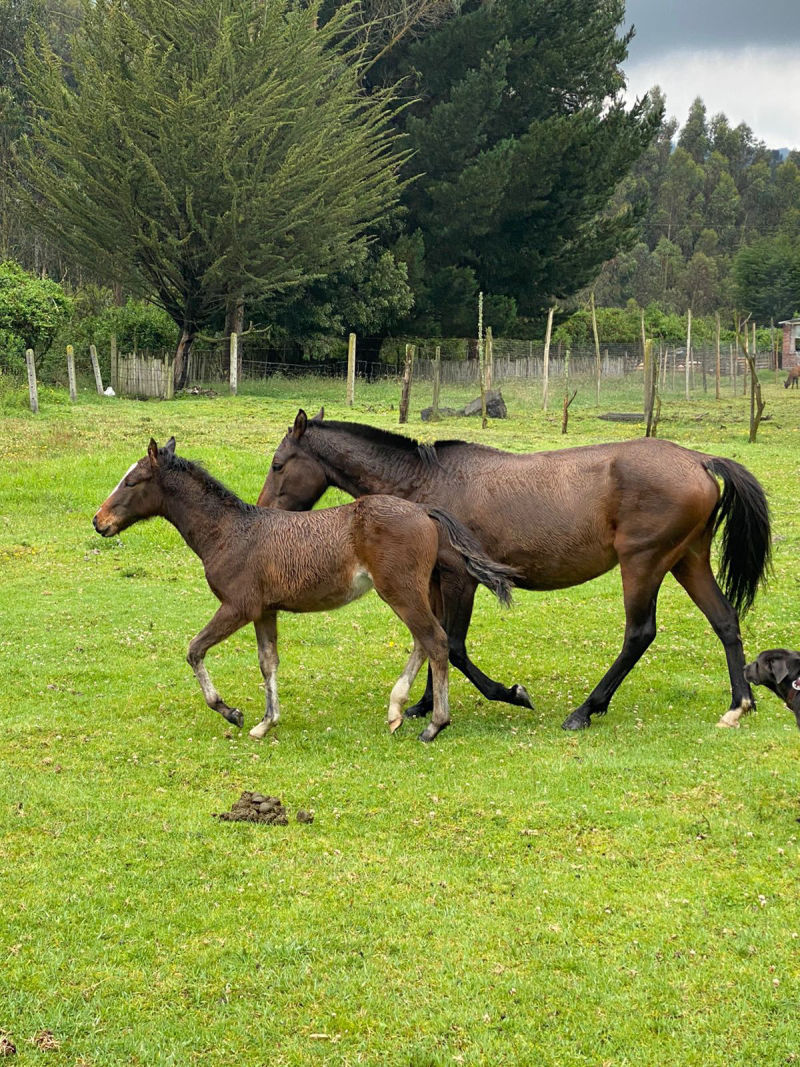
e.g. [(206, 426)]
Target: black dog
[(779, 670)]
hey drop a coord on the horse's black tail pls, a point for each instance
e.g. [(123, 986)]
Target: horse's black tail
[(746, 547), (495, 576)]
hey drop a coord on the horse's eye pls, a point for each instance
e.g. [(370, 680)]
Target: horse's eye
[(277, 467)]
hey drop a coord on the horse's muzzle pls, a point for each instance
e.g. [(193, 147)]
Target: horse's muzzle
[(104, 531)]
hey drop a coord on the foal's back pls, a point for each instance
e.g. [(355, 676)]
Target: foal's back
[(321, 560)]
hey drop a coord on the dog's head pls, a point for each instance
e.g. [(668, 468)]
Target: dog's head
[(779, 670)]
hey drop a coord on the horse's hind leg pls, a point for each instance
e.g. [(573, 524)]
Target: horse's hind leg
[(458, 597), (640, 585), (430, 641), (402, 687), (695, 575), (267, 638), (226, 621), (441, 699)]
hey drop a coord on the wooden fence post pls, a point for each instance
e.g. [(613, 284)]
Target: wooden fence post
[(98, 380), (597, 365), (688, 360), (567, 398), (114, 364), (546, 361), (717, 352), (233, 372), (489, 359), (647, 365), (351, 369), (408, 371), (169, 384), (481, 361), (73, 390), (33, 391), (437, 381)]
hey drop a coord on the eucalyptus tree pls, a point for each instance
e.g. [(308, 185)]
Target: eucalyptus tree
[(206, 151)]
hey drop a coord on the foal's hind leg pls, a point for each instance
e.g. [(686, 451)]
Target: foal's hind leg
[(226, 621), (430, 641), (695, 575), (402, 687), (267, 638), (640, 583)]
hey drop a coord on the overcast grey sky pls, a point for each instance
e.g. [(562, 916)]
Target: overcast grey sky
[(741, 56)]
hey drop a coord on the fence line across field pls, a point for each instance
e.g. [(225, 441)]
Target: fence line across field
[(148, 374)]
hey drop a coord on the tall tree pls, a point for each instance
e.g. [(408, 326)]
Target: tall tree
[(206, 151), (767, 277), (694, 137), (520, 137)]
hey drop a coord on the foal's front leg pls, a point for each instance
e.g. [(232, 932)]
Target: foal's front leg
[(226, 621), (267, 637)]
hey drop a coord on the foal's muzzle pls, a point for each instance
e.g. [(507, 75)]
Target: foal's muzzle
[(104, 531)]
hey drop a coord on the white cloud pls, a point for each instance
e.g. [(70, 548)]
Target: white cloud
[(756, 85)]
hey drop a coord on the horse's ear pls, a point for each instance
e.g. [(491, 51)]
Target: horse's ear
[(300, 423), (170, 446), (320, 415), (152, 451)]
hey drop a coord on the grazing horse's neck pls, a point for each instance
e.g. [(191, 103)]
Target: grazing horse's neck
[(361, 466), (200, 509)]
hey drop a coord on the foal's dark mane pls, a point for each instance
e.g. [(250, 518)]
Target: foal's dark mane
[(170, 462), (386, 439)]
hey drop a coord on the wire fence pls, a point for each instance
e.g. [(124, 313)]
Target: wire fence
[(514, 361)]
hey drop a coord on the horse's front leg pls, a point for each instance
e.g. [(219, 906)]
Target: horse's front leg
[(226, 621), (640, 585), (267, 638)]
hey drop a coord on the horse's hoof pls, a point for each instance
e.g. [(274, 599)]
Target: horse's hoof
[(260, 730), (236, 717), (416, 711), (578, 720), (431, 732), (521, 697)]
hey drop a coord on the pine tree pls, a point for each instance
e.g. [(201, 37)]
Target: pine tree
[(519, 139)]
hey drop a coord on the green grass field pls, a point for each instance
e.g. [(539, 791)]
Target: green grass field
[(509, 895)]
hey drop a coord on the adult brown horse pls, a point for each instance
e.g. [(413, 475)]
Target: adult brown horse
[(561, 518), (260, 562), (793, 378)]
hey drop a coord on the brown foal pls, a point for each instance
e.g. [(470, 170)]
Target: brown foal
[(260, 562)]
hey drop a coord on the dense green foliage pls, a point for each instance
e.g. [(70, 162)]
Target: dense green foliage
[(204, 154), (525, 172), (520, 139), (508, 896), (32, 310), (721, 223)]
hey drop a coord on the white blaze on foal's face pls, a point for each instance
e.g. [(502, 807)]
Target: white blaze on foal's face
[(121, 482)]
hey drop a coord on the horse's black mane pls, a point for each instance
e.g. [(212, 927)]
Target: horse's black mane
[(385, 438), (213, 487)]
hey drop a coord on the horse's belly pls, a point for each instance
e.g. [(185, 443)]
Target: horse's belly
[(329, 598), (553, 566)]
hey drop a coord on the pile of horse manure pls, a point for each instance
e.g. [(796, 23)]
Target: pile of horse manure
[(255, 807)]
